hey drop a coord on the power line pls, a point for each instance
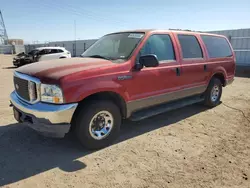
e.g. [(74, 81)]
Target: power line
[(85, 13)]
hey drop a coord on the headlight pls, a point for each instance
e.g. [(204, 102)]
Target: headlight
[(51, 94)]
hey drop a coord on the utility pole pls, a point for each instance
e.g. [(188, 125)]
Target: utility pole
[(75, 28), (3, 32), (75, 37)]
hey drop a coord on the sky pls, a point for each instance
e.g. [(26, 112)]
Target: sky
[(59, 20)]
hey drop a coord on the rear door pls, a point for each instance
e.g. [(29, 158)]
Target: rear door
[(50, 54), (194, 71), (43, 54), (54, 54)]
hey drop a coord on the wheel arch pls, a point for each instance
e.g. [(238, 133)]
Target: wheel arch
[(103, 95), (221, 77)]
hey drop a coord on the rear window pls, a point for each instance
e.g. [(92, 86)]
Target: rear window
[(190, 46), (216, 46)]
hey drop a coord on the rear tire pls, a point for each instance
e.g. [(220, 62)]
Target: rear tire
[(213, 93), (97, 118)]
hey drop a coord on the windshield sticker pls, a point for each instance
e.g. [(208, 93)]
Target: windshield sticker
[(135, 35)]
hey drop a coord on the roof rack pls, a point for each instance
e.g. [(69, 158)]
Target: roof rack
[(183, 30)]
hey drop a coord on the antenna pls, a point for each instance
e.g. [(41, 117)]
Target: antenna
[(3, 32)]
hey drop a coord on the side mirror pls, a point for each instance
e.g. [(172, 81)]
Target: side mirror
[(149, 60)]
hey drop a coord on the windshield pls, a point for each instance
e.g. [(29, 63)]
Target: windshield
[(33, 52), (114, 46)]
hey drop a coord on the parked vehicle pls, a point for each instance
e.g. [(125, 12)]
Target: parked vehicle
[(131, 74), (40, 54)]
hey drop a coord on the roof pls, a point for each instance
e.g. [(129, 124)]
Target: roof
[(51, 47), (164, 30)]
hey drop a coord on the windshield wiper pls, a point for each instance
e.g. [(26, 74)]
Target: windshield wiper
[(98, 56)]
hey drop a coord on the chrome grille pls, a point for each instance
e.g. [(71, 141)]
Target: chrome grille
[(26, 87), (22, 88)]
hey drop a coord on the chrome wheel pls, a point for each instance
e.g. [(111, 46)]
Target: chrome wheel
[(215, 93), (101, 125)]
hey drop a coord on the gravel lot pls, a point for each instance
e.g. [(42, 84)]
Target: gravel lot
[(190, 147)]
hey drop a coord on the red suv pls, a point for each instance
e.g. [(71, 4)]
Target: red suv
[(130, 74)]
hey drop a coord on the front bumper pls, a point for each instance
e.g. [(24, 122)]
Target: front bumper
[(16, 62), (49, 119)]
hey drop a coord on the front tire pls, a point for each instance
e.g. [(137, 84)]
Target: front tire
[(97, 124), (213, 93)]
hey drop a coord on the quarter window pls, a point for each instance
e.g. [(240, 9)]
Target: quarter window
[(190, 46), (159, 45), (216, 46), (53, 51)]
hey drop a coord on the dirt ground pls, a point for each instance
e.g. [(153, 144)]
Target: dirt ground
[(190, 147)]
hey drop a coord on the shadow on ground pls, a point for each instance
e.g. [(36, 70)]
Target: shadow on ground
[(24, 153), (8, 67)]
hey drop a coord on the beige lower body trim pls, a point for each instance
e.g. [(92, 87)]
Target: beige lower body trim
[(135, 105)]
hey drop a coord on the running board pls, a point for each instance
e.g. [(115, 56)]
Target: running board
[(159, 109)]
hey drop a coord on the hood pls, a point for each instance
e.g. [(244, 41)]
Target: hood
[(58, 68), (21, 55)]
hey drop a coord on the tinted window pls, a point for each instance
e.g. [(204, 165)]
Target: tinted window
[(42, 52), (161, 46), (217, 46), (53, 51), (190, 46), (33, 52), (60, 51)]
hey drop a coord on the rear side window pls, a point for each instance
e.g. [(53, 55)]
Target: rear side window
[(216, 46), (53, 51), (190, 46), (159, 45)]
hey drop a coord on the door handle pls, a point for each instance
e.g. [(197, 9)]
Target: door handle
[(178, 72), (205, 68)]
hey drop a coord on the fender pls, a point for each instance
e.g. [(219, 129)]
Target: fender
[(77, 94), (216, 70)]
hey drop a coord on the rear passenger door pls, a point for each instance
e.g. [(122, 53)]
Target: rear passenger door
[(193, 70), (44, 54), (51, 54), (54, 54)]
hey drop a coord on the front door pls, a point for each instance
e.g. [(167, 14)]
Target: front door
[(155, 85)]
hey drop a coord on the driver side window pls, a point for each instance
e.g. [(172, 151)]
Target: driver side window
[(159, 45)]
